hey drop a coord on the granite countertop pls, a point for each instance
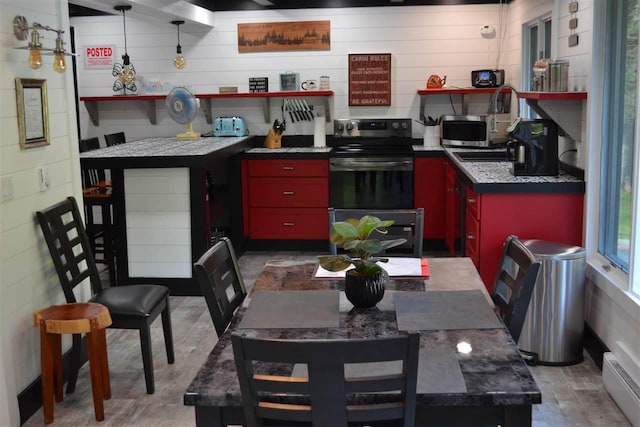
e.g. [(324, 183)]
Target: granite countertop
[(165, 152), (164, 147), (494, 373)]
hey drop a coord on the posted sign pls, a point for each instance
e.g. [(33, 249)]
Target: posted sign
[(99, 57)]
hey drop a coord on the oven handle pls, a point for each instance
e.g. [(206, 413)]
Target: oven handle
[(370, 164)]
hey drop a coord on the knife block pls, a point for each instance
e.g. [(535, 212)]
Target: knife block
[(273, 139)]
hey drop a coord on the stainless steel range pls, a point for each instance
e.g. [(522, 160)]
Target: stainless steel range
[(371, 164)]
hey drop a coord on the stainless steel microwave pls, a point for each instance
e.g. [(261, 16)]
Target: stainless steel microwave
[(465, 130)]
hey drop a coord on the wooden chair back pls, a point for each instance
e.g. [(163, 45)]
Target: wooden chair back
[(91, 177), (115, 139), (68, 243), (409, 224), (514, 284), (221, 283), (328, 395)]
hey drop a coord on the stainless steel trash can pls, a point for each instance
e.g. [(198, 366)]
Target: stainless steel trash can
[(554, 324)]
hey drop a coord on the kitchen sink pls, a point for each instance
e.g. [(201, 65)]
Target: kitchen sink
[(481, 156)]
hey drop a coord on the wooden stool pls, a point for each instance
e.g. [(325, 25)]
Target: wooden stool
[(73, 318)]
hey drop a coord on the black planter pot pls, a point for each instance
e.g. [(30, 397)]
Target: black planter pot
[(363, 291)]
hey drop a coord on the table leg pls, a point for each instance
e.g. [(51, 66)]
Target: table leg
[(47, 343), (209, 416), (104, 364), (517, 416), (95, 367)]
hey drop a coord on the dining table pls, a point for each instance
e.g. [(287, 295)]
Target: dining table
[(470, 371)]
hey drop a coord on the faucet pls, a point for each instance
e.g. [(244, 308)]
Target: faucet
[(494, 107)]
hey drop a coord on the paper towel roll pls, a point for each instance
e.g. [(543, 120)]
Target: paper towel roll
[(319, 132)]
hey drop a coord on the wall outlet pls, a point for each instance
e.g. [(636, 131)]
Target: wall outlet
[(8, 192), (43, 178)]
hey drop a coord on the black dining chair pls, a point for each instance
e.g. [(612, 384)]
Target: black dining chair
[(115, 139), (221, 283), (327, 394), (514, 284), (409, 224), (130, 307), (97, 192)]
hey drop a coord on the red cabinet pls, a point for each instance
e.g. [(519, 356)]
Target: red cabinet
[(492, 217), (286, 198), (452, 208), (429, 193), (472, 226)]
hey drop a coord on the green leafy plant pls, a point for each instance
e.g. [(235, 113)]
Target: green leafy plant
[(352, 235)]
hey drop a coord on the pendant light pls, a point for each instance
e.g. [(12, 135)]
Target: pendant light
[(125, 72), (178, 61)]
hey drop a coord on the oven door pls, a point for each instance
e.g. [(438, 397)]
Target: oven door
[(371, 182)]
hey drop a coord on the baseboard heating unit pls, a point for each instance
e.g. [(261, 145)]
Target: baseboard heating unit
[(622, 388)]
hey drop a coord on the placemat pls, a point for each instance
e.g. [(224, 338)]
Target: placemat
[(444, 310), (292, 309), (438, 371)]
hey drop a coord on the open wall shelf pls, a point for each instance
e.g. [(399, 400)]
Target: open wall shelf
[(92, 103)]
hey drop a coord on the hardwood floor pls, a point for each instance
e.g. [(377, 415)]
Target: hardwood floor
[(572, 395)]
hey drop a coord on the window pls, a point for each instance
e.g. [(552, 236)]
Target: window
[(620, 95), (536, 45)]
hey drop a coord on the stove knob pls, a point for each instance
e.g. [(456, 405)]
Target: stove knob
[(350, 126), (395, 125), (405, 125), (340, 127)]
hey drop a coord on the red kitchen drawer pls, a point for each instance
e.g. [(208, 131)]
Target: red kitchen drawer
[(472, 240), (285, 167), (286, 192), (293, 223), (473, 203)]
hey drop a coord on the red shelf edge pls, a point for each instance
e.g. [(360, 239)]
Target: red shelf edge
[(558, 96), (209, 95), (463, 91)]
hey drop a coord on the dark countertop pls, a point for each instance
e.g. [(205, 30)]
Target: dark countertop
[(166, 152), (495, 177), (494, 372)]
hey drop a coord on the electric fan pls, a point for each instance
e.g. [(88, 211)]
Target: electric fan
[(182, 107)]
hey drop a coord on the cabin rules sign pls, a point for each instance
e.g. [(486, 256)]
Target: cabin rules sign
[(370, 79)]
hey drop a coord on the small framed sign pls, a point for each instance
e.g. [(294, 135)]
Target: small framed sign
[(370, 79), (33, 113), (289, 82)]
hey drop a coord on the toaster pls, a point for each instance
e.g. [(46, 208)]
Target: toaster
[(229, 126)]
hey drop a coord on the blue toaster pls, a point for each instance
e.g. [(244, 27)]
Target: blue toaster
[(229, 126)]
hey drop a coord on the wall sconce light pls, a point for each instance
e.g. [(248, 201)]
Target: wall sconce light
[(21, 31), (178, 61), (125, 72)]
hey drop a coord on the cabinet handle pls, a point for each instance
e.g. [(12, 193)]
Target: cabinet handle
[(288, 168), (471, 236), (471, 199), (288, 224), (288, 193)]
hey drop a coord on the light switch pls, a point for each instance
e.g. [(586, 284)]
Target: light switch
[(7, 188), (43, 178)]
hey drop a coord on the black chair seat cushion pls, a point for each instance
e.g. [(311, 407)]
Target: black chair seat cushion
[(132, 300)]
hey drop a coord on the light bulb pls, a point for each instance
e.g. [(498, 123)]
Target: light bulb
[(35, 59), (59, 64), (128, 75), (179, 62)]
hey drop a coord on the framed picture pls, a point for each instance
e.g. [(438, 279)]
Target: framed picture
[(370, 79), (33, 113), (289, 82), (281, 36)]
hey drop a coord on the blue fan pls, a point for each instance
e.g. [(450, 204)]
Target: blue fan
[(183, 107)]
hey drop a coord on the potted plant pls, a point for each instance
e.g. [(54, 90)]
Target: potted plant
[(364, 284)]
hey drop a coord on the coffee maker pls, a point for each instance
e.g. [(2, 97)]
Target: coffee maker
[(533, 147)]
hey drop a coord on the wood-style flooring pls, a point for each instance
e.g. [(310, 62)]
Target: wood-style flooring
[(572, 395)]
